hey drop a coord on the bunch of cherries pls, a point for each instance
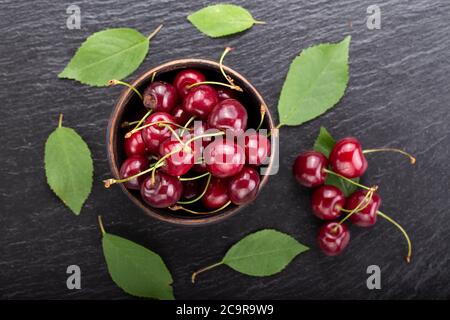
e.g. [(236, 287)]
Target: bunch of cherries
[(177, 154), (346, 161)]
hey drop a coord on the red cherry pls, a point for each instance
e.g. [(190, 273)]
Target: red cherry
[(135, 145), (160, 96), (163, 192), (333, 238), (132, 166), (155, 134), (368, 215), (257, 149), (347, 158), (191, 189), (228, 115), (244, 186), (180, 162), (226, 93), (186, 78), (200, 101), (180, 115), (216, 194), (309, 168), (327, 202), (224, 158)]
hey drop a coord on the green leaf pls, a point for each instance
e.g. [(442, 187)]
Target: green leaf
[(316, 81), (137, 270), (68, 167), (324, 144), (106, 55), (222, 20), (263, 253)]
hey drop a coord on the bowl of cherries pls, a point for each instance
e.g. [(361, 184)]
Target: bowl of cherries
[(188, 142)]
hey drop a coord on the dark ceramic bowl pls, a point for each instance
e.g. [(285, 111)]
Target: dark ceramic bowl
[(129, 108)]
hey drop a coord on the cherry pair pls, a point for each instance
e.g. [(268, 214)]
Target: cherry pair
[(328, 202)]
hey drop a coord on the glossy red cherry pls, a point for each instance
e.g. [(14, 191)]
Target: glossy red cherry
[(226, 93), (200, 101), (327, 202), (257, 149), (180, 115), (224, 158), (228, 115), (186, 78), (155, 134), (244, 186), (135, 145), (132, 166), (333, 238), (163, 192), (160, 96), (216, 194), (181, 161), (368, 215), (347, 158), (309, 168)]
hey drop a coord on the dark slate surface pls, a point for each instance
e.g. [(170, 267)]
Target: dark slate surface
[(398, 95)]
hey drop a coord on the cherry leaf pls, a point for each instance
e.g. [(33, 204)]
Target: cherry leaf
[(315, 82), (222, 20), (136, 269), (106, 55), (324, 144), (68, 167)]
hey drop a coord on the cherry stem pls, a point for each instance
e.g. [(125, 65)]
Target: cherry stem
[(361, 206), (149, 112), (60, 120), (411, 158), (196, 273), (108, 182), (186, 125), (151, 35), (127, 124), (100, 223), (231, 86), (196, 177), (347, 179), (200, 195), (114, 82), (161, 123), (263, 114), (153, 77), (174, 133), (227, 77), (395, 223), (176, 208)]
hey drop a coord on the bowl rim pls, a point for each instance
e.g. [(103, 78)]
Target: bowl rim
[(118, 111)]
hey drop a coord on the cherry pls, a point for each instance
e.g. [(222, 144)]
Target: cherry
[(180, 162), (333, 238), (216, 194), (309, 168), (368, 215), (228, 115), (191, 189), (132, 166), (200, 101), (347, 158), (226, 93), (244, 186), (257, 149), (186, 78), (163, 192), (160, 96), (180, 115), (224, 158), (327, 202), (155, 134), (135, 145)]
